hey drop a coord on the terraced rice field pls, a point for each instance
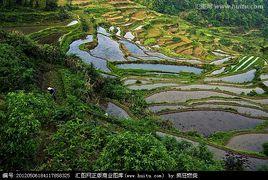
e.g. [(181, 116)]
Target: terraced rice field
[(253, 163), (161, 68), (238, 78), (246, 111), (198, 90), (209, 122), (248, 142), (116, 111), (247, 62), (234, 89), (99, 63), (183, 96)]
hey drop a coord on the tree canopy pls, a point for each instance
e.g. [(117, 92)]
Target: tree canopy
[(201, 11), (41, 4)]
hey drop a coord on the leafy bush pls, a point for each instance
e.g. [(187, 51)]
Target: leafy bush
[(113, 88), (75, 151), (189, 157), (138, 103), (25, 113), (176, 39), (74, 84), (225, 42), (234, 162), (84, 25), (221, 137), (131, 151), (72, 109), (265, 148), (52, 54), (149, 41), (252, 93), (16, 72)]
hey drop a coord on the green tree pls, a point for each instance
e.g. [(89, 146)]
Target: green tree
[(265, 148), (16, 72), (20, 129), (189, 157), (130, 151), (75, 145), (265, 32), (235, 162)]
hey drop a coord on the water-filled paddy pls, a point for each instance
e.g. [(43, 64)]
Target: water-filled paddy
[(248, 142), (161, 68), (219, 71), (133, 48), (232, 89), (183, 96), (116, 111), (241, 110), (158, 108), (74, 22), (221, 61), (150, 86), (265, 83), (232, 101), (238, 78), (103, 31), (264, 76), (247, 111), (129, 36), (108, 49), (209, 122), (145, 54), (100, 64)]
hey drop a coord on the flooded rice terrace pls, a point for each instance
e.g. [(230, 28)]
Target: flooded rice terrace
[(216, 101), (161, 68), (209, 122)]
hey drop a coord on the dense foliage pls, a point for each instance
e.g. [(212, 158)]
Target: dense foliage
[(205, 12), (42, 4), (72, 132), (20, 128), (131, 151), (265, 148), (20, 59), (235, 162), (16, 71), (75, 152), (189, 157)]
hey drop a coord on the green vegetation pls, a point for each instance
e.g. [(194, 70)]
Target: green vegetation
[(37, 132), (20, 129), (44, 4), (247, 62), (149, 41), (130, 151), (69, 152), (176, 39), (203, 12), (265, 148), (74, 131), (235, 162)]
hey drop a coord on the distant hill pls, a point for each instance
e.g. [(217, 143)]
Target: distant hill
[(245, 13)]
